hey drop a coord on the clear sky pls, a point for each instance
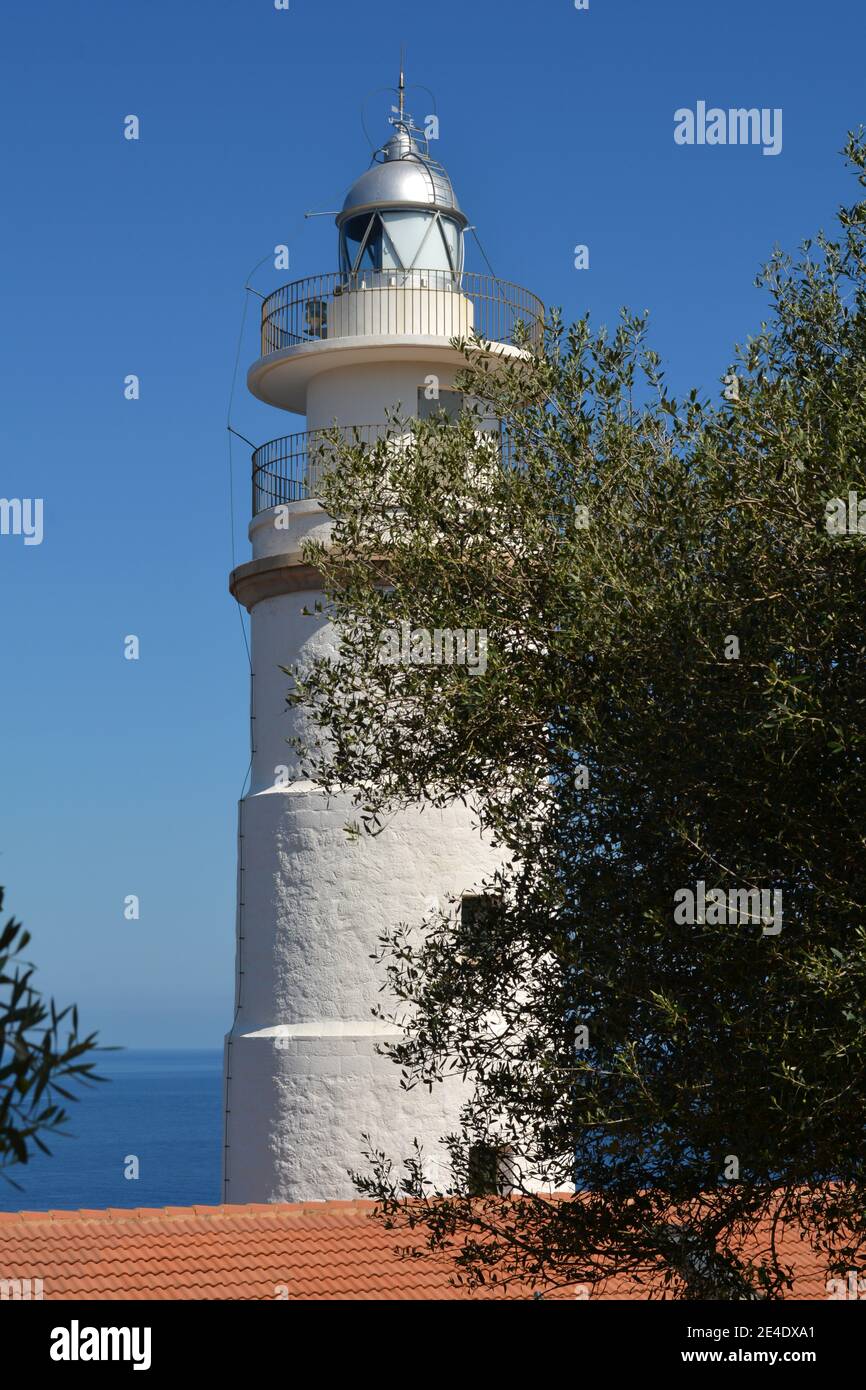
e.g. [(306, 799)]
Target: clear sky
[(556, 125)]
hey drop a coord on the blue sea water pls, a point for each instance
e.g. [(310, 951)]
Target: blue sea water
[(164, 1107)]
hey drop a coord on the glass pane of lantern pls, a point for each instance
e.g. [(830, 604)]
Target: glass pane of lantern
[(406, 230), (451, 233), (372, 257), (354, 233)]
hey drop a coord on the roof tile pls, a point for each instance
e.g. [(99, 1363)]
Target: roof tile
[(318, 1251)]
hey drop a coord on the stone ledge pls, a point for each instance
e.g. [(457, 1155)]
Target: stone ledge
[(269, 576)]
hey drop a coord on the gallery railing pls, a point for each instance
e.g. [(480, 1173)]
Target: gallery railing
[(288, 469), (430, 303)]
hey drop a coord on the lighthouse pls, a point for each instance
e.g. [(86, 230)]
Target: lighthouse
[(305, 1077)]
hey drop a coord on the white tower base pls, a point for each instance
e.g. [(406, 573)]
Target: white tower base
[(304, 1079)]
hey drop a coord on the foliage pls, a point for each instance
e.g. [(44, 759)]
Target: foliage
[(611, 540), (36, 1062)]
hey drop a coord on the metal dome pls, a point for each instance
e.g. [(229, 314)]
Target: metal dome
[(403, 175)]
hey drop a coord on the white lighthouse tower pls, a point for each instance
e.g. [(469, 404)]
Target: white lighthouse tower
[(303, 1076)]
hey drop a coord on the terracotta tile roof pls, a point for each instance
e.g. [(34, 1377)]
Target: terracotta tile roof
[(326, 1250)]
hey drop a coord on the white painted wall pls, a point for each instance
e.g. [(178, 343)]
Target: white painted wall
[(306, 1080), (362, 395), (303, 1078)]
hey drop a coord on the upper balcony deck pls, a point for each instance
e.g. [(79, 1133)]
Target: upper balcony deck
[(371, 314)]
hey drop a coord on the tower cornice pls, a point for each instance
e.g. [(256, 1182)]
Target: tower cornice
[(270, 576)]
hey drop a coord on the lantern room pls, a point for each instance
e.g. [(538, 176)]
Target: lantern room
[(401, 216)]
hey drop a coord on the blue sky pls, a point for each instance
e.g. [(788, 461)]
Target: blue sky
[(126, 257)]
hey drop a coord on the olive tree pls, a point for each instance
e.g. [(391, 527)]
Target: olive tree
[(659, 1007)]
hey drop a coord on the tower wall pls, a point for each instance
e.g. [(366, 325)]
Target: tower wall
[(304, 1080), (365, 393)]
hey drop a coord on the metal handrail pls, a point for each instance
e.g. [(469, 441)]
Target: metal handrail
[(288, 469), (434, 303)]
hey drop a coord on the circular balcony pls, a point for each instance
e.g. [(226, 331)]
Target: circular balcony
[(430, 303), (371, 315), (288, 469)]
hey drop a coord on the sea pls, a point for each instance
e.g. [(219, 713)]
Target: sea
[(162, 1108)]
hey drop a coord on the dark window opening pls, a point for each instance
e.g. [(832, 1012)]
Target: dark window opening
[(447, 402), (479, 909), (316, 318), (483, 1175)]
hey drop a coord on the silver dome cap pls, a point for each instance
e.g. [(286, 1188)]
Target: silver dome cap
[(403, 175)]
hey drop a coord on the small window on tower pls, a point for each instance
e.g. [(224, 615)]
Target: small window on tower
[(480, 924), (483, 1175), (477, 910), (316, 318), (446, 402)]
